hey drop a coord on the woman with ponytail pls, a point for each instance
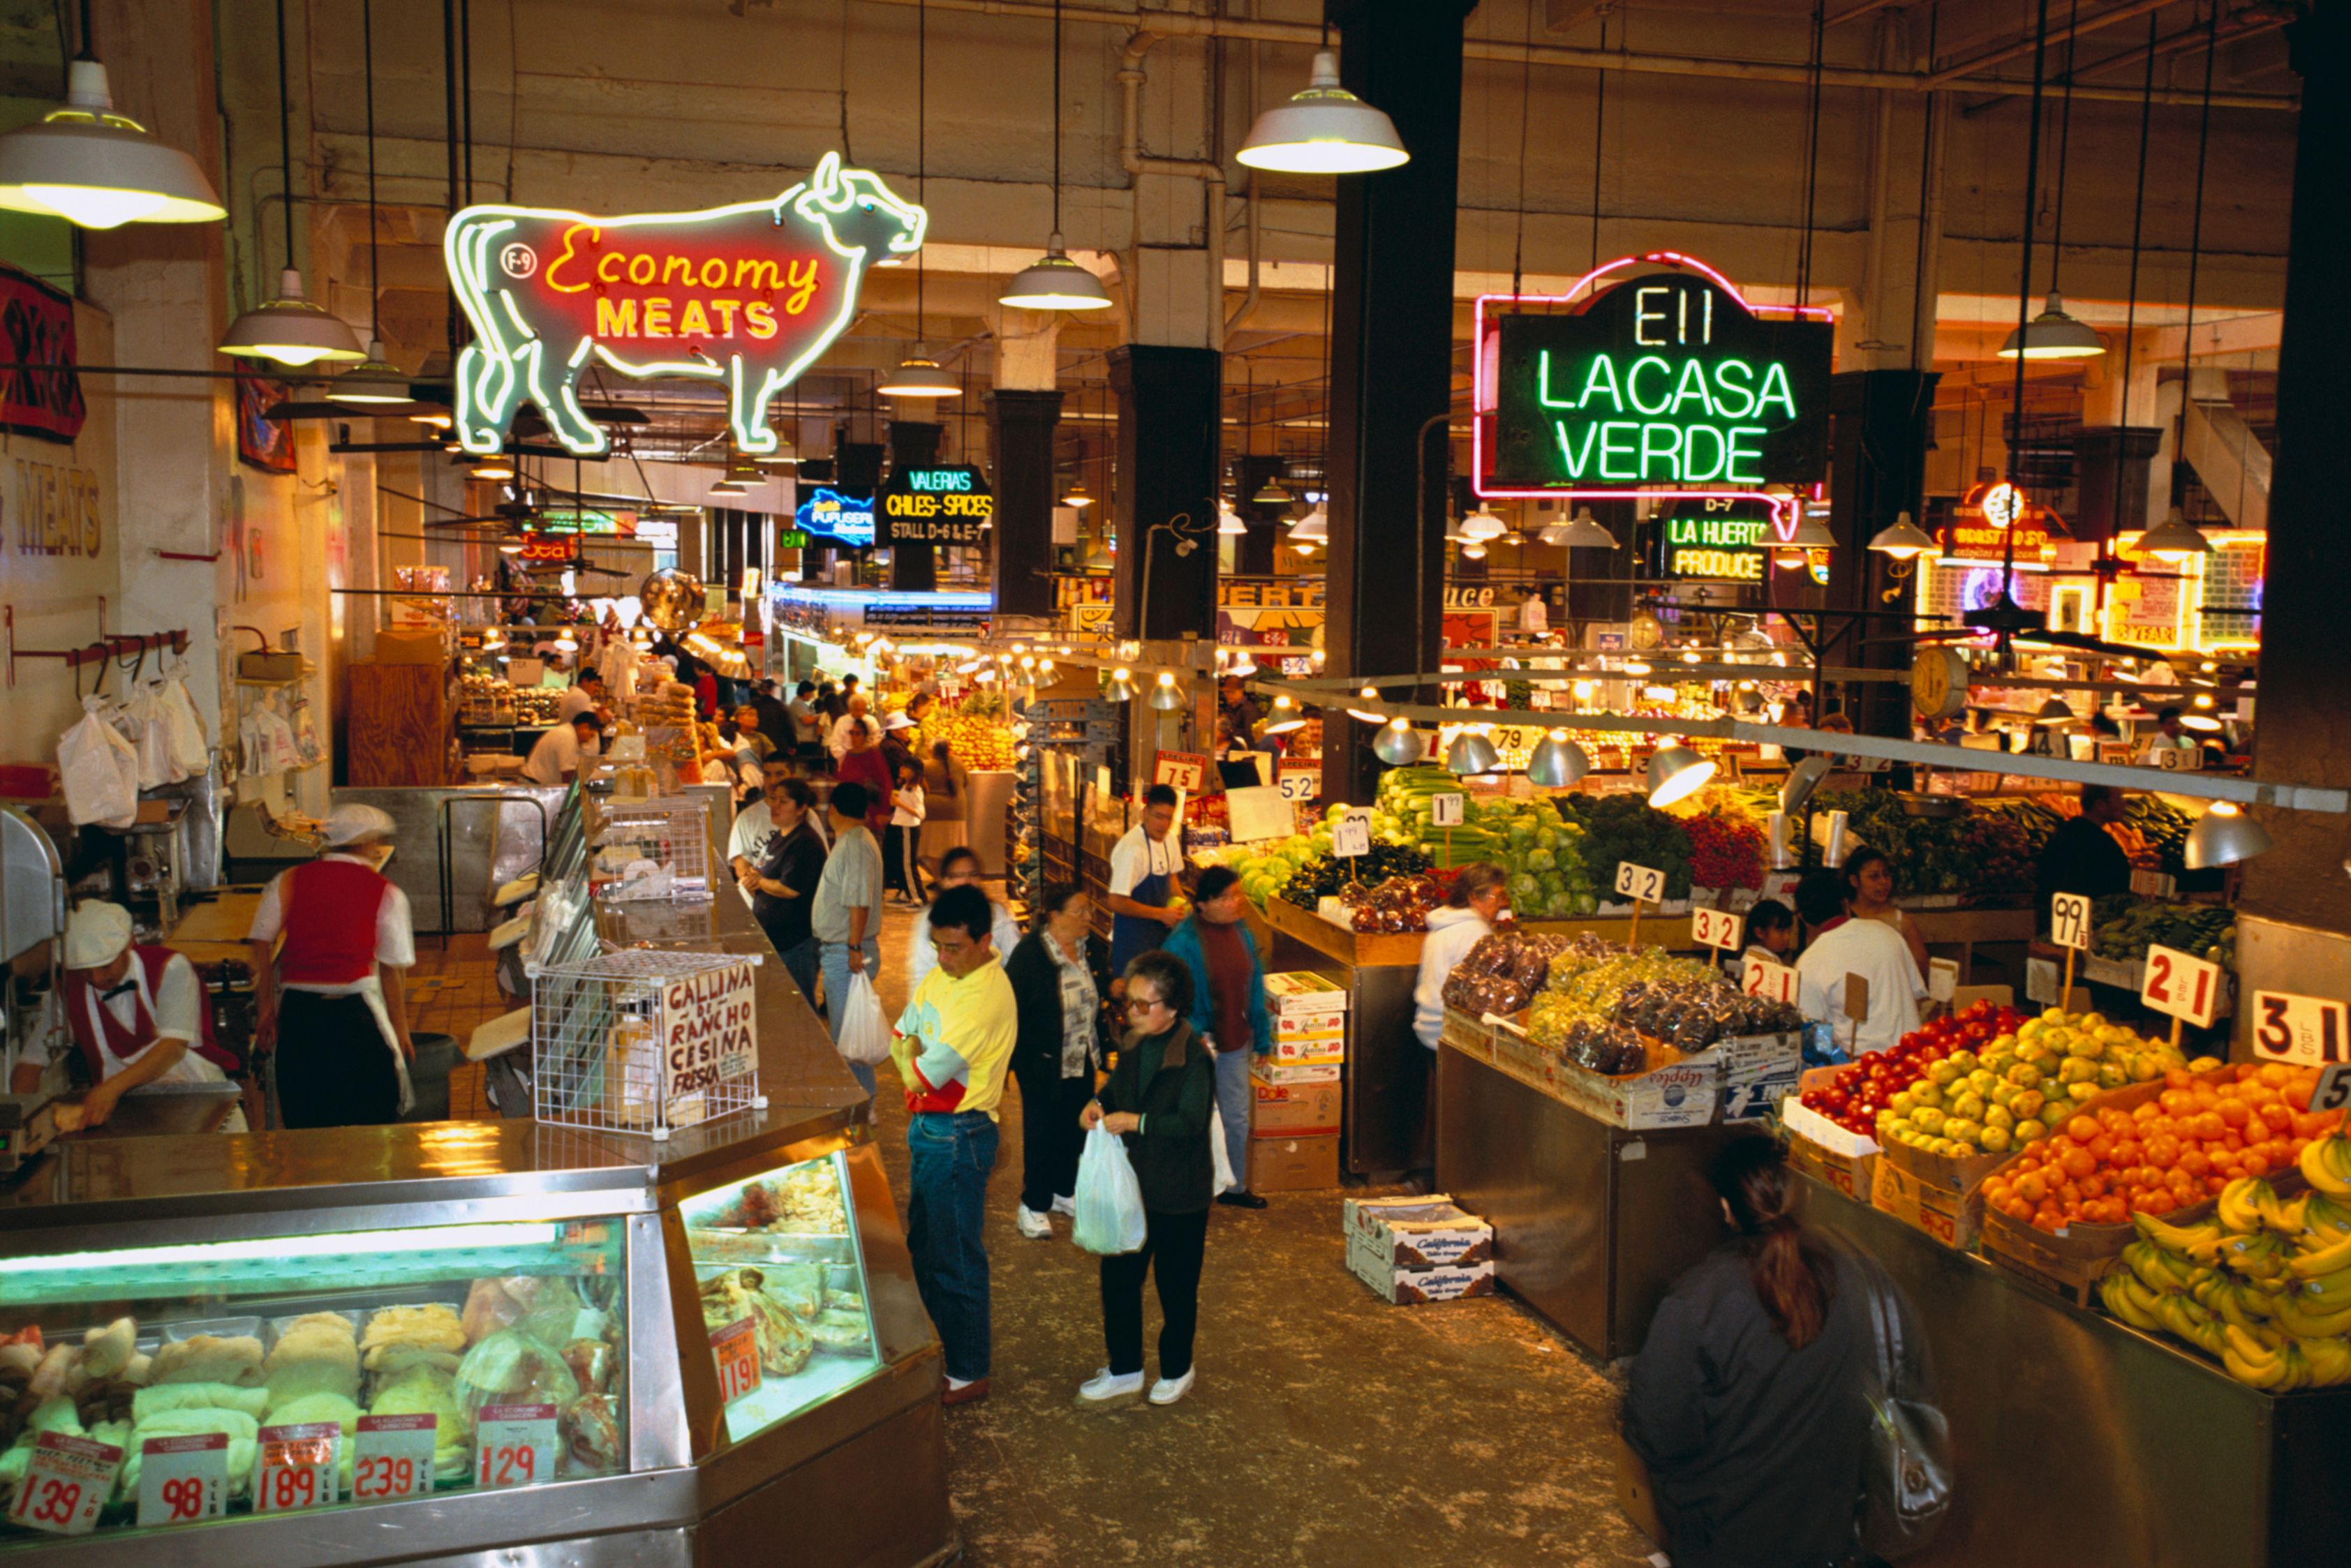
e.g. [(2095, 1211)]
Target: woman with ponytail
[(1746, 1399)]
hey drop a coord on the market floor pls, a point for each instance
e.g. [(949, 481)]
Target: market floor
[(1326, 1425)]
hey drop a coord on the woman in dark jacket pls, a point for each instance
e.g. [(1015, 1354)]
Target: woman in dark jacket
[(1054, 1057), (1746, 1399), (1159, 1099)]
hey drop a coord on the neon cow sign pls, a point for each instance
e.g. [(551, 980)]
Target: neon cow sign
[(750, 295)]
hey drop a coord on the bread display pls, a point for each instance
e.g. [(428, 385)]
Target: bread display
[(208, 1358)]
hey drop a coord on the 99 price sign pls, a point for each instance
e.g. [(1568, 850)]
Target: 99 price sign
[(514, 1445), (183, 1479), (66, 1482)]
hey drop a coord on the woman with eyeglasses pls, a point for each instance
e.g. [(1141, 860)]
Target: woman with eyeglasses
[(1159, 1099)]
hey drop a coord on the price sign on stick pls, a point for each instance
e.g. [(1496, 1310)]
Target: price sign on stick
[(298, 1467), (1773, 981), (1300, 785), (2308, 1030), (737, 1346), (2186, 988), (514, 1445), (183, 1479), (2334, 1091), (2069, 920), (66, 1482), (393, 1457), (1351, 835), (1718, 928), (1445, 810), (1644, 884)]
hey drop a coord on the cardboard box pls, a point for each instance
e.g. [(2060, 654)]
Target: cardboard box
[(1758, 1072), (1636, 1494), (1288, 1075), (1329, 1026), (1952, 1217), (1677, 1091), (416, 646), (1294, 1110), (1411, 1287), (1293, 1164), (1468, 1033), (1329, 1052), (1855, 1175), (1431, 1232), (1305, 999)]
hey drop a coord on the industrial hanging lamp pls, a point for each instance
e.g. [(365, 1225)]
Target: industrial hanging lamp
[(1903, 539), (1556, 762), (1470, 754), (98, 169), (289, 329), (2052, 335), (374, 379), (1326, 130), (1054, 282), (918, 375), (1164, 696), (1399, 745), (1078, 496), (1812, 533), (1228, 521), (1676, 773), (2223, 835), (1482, 524), (2174, 539), (1314, 528), (1585, 533)]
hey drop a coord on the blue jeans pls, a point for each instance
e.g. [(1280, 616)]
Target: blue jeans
[(948, 1199), (1234, 1098), (834, 959)]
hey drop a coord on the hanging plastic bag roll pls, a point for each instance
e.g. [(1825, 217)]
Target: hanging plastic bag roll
[(1109, 1201), (864, 1030), (98, 770)]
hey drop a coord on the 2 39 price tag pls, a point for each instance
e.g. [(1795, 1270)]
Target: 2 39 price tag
[(184, 1478), (393, 1457), (2180, 985), (2302, 1029), (737, 1346), (297, 1469), (1646, 883), (1717, 929), (66, 1482), (514, 1445)]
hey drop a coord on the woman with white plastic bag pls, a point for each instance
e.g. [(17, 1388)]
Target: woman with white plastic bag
[(1160, 1101), (98, 770)]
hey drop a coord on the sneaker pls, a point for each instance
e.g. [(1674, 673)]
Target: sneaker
[(1167, 1390), (1241, 1197), (1107, 1388), (962, 1392), (1033, 1225), (1068, 1206)]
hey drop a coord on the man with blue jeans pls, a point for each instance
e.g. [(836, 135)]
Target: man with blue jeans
[(953, 1046), (846, 914), (1229, 1007)]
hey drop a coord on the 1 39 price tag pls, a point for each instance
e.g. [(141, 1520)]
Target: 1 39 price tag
[(183, 1479), (737, 1346), (393, 1457), (2180, 985), (1718, 928), (66, 1482), (1646, 883), (298, 1467), (2069, 921), (514, 1445), (1772, 981), (2303, 1029)]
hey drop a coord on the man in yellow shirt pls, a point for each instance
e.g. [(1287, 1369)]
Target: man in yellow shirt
[(952, 1047)]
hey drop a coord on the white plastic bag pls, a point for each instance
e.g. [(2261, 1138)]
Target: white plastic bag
[(98, 770), (864, 1035), (191, 746), (1224, 1180), (1109, 1201), (140, 719)]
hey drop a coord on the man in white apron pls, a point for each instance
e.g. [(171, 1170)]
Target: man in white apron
[(341, 1032), (136, 1014)]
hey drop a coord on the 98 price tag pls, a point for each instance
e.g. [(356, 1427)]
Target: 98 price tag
[(183, 1479), (1772, 981), (1717, 929), (1646, 883), (393, 1457), (2180, 985), (2303, 1029), (2069, 921), (298, 1467), (737, 1346), (514, 1445), (66, 1482)]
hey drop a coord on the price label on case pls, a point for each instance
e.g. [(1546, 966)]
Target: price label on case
[(2334, 1090), (183, 1479), (1772, 981), (1351, 835), (2307, 1029), (1646, 883), (2181, 986), (297, 1468), (393, 1457), (514, 1445), (1718, 928), (737, 1346), (1445, 810), (66, 1482), (2069, 921)]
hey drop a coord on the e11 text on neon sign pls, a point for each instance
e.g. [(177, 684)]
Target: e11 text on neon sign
[(1662, 380), (750, 295)]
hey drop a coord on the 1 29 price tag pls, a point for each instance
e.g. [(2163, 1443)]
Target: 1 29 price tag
[(184, 1478), (737, 1346), (2069, 921), (298, 1467), (392, 1457), (66, 1482), (2302, 1029), (1772, 981), (2181, 986), (1718, 928), (1646, 883), (514, 1445)]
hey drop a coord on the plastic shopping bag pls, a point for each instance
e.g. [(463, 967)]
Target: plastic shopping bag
[(1224, 1180), (98, 770), (865, 1031), (1109, 1201), (191, 748), (140, 719)]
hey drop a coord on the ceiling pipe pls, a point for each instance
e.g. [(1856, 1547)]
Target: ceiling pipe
[(1207, 171), (2026, 44)]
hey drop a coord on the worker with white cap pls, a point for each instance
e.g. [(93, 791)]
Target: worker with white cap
[(341, 1032), (135, 1011)]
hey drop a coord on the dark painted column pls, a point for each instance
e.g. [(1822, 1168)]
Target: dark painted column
[(914, 567), (1253, 555), (2305, 734), (1599, 582), (1020, 434), (1877, 464), (2110, 479), (1391, 361), (1168, 445)]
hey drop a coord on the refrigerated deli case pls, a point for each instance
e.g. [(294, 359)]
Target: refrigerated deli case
[(443, 1342)]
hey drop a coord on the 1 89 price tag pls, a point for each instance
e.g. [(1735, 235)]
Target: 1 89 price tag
[(1646, 883), (393, 1457), (2180, 985), (66, 1482), (298, 1467), (737, 1346), (183, 1479), (1717, 929), (1772, 981), (514, 1445)]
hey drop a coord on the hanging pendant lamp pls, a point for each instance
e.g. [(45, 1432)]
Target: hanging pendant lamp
[(2174, 539), (1314, 528), (1902, 539), (1470, 754), (1584, 533), (1675, 773), (98, 169), (1228, 521), (374, 379), (1812, 533), (1054, 282), (918, 375), (2052, 335), (1326, 130), (1399, 744), (1271, 494), (1482, 524), (1556, 762), (2223, 835)]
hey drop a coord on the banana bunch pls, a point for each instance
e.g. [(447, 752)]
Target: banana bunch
[(2327, 1165)]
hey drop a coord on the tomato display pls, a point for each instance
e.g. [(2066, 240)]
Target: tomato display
[(1860, 1090)]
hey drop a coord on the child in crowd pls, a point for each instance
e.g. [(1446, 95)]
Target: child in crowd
[(902, 866)]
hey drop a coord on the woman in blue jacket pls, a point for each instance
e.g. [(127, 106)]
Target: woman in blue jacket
[(1229, 1007)]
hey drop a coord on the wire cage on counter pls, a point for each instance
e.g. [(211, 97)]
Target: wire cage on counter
[(646, 1040), (657, 848)]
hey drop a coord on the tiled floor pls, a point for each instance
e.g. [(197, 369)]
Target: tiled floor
[(452, 992)]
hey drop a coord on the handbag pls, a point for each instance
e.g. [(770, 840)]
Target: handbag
[(1907, 1480)]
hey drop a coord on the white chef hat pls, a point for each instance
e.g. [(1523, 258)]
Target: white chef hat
[(96, 934), (347, 823), (897, 721)]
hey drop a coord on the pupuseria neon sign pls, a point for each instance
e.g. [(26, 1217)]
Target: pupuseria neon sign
[(750, 295)]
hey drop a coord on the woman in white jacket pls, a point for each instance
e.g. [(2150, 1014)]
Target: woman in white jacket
[(1478, 894)]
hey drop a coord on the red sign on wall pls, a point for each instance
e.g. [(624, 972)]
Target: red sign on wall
[(37, 331)]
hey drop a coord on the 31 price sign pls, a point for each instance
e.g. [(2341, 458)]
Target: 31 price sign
[(66, 1482), (183, 1479), (298, 1467), (2181, 986), (737, 1346), (1772, 981), (1646, 883), (514, 1445), (2307, 1029), (1351, 835), (2069, 921), (1718, 928), (393, 1457)]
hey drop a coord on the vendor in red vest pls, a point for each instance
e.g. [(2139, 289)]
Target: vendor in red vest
[(342, 1031), (135, 1013)]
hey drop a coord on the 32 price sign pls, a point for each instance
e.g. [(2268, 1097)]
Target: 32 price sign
[(514, 1445), (66, 1482), (2069, 921), (393, 1457), (1772, 981), (2307, 1029), (1646, 883), (737, 1346), (298, 1467), (1718, 928), (183, 1479), (2180, 985)]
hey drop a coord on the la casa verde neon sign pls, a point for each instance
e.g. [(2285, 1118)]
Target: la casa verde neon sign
[(1660, 381), (748, 294)]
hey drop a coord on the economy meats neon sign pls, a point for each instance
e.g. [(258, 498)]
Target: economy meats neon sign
[(750, 295)]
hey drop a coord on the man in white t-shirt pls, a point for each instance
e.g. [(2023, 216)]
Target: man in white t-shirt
[(1869, 949), (1144, 868), (838, 744), (562, 751), (587, 697)]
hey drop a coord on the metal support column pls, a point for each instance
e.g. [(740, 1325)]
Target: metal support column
[(1021, 428), (913, 567), (1168, 446), (1877, 462)]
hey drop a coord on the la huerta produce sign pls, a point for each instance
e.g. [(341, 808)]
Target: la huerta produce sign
[(1716, 539), (1665, 380), (947, 505)]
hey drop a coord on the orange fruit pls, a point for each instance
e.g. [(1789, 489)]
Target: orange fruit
[(2082, 1129), (2079, 1162), (2276, 1074), (2176, 1078), (2256, 1163)]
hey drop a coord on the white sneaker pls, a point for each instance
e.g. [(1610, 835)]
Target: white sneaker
[(1036, 1226), (1068, 1206), (1104, 1388), (1166, 1392)]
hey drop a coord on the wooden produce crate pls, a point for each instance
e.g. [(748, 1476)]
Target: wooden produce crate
[(1470, 1035)]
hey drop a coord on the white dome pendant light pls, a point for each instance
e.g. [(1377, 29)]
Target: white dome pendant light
[(1326, 130)]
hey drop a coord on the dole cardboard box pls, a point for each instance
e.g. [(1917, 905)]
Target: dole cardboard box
[(1293, 1110), (1301, 998), (1955, 1218), (1293, 1164), (1290, 1074), (1411, 1287), (1428, 1232)]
